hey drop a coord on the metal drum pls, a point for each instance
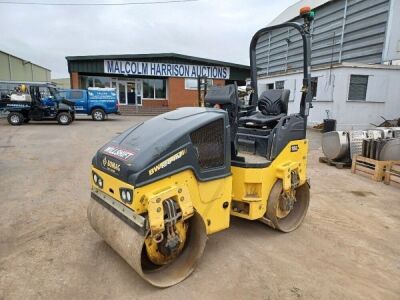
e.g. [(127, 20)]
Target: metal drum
[(390, 150), (335, 145)]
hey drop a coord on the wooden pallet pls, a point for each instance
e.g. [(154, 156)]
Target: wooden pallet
[(374, 169), (337, 164), (392, 175)]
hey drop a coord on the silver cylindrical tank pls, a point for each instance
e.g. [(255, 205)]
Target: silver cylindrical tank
[(335, 145)]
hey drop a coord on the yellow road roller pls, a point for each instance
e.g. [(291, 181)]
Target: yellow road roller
[(161, 187)]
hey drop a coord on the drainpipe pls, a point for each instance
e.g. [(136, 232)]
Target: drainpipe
[(287, 50), (269, 51), (343, 27)]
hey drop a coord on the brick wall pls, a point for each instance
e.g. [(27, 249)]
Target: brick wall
[(154, 103), (178, 96)]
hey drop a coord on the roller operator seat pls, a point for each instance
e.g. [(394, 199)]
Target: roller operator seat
[(272, 106)]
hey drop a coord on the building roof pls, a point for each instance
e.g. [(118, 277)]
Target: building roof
[(293, 11), (25, 61), (157, 56)]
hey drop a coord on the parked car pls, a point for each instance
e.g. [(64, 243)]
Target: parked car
[(38, 101), (97, 102)]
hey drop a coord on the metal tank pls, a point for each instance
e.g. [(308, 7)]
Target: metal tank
[(335, 145)]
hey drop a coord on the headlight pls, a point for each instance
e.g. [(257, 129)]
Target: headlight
[(97, 180), (126, 195)]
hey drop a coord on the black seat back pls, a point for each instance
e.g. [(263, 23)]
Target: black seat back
[(222, 95), (274, 102), (227, 98)]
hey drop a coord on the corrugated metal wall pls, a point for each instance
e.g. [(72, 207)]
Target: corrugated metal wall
[(351, 31), (14, 68)]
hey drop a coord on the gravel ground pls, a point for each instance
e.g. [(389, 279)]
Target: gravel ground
[(347, 248)]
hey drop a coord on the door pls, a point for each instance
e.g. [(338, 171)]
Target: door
[(131, 92), (80, 101), (121, 92)]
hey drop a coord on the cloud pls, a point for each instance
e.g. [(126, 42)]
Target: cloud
[(215, 29)]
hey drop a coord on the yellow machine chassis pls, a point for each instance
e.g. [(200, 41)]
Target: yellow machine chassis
[(243, 194)]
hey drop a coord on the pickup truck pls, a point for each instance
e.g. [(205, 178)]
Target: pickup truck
[(97, 102)]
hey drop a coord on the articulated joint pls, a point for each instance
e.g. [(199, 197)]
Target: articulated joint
[(155, 207)]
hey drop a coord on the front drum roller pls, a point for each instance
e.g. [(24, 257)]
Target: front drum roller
[(287, 220), (130, 245)]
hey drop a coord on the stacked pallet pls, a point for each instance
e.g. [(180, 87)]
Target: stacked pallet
[(374, 169), (377, 170), (392, 175)]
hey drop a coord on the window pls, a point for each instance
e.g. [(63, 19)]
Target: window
[(154, 88), (76, 95), (84, 83), (314, 86), (148, 88), (280, 85), (270, 86), (192, 83), (44, 92), (100, 82), (209, 144), (358, 87)]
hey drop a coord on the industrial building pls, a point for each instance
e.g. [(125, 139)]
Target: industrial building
[(62, 83), (13, 68), (152, 82), (355, 46)]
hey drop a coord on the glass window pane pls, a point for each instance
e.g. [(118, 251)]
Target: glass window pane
[(102, 82), (44, 92), (76, 95), (83, 82), (190, 84), (122, 94), (280, 85), (358, 87), (160, 88), (148, 88), (314, 86)]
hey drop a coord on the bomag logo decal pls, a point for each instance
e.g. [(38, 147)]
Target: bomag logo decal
[(167, 162), (111, 165)]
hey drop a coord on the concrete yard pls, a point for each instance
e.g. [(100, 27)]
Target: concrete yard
[(347, 248)]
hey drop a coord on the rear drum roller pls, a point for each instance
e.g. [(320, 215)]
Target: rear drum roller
[(143, 253), (286, 216)]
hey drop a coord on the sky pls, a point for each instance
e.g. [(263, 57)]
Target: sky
[(215, 29)]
